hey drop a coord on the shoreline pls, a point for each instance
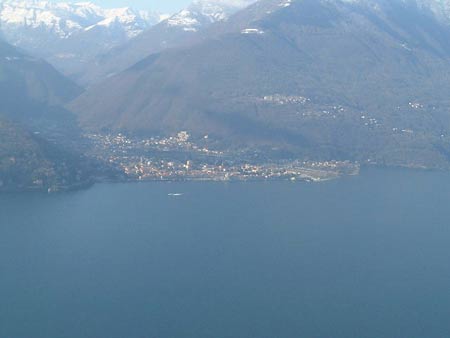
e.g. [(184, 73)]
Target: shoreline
[(335, 176)]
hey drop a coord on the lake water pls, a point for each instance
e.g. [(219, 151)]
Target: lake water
[(365, 256)]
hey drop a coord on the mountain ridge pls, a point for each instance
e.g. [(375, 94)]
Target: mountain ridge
[(69, 35), (38, 138), (327, 79), (180, 29)]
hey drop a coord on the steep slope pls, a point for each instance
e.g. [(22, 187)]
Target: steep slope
[(28, 162), (181, 29), (364, 80), (68, 35), (37, 136), (27, 82)]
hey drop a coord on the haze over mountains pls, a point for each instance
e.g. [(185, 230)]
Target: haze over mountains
[(181, 29), (69, 35), (41, 144), (33, 92), (359, 80), (35, 131), (365, 80), (88, 43)]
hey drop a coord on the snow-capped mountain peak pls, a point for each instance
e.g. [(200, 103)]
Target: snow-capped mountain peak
[(133, 22), (70, 34), (202, 12), (64, 18)]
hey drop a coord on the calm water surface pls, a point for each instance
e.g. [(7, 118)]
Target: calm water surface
[(365, 256)]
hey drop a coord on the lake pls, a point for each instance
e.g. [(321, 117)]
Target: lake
[(365, 256)]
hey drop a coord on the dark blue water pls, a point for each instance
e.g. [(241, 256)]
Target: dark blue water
[(365, 256)]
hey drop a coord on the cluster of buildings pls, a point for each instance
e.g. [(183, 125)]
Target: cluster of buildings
[(179, 158), (191, 170), (120, 144), (284, 99)]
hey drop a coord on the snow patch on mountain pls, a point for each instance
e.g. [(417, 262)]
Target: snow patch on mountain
[(63, 19), (70, 35), (202, 12)]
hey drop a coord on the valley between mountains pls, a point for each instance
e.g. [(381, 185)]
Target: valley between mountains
[(305, 90)]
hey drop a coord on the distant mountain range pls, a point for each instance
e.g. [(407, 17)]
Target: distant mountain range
[(69, 35), (364, 80), (180, 29), (204, 12), (359, 80), (87, 42)]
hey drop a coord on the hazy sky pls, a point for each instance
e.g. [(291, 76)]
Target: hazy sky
[(159, 5)]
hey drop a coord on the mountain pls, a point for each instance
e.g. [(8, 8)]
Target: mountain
[(29, 162), (30, 87), (204, 12), (363, 80), (37, 135), (181, 29), (69, 35)]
